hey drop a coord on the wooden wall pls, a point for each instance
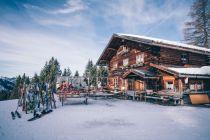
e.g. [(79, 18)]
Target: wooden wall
[(173, 57), (164, 56)]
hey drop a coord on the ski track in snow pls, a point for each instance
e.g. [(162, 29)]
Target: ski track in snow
[(109, 119)]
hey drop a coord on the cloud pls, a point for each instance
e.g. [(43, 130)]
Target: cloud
[(138, 14), (29, 51), (68, 16), (70, 7)]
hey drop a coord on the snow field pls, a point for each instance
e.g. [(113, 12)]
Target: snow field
[(108, 119)]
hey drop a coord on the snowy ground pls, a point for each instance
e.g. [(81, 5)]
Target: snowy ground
[(110, 119)]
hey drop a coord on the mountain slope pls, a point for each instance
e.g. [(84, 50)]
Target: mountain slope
[(7, 84)]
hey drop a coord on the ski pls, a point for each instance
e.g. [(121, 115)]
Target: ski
[(37, 116), (46, 112), (13, 115), (18, 114)]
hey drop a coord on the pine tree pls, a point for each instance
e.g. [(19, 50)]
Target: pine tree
[(91, 73), (76, 73), (68, 72), (15, 92), (103, 75), (64, 72), (43, 73), (27, 80), (35, 79), (23, 79), (87, 72), (50, 72), (88, 68), (197, 31)]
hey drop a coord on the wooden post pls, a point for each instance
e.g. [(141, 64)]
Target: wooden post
[(133, 95), (180, 88), (145, 85), (133, 88), (145, 88)]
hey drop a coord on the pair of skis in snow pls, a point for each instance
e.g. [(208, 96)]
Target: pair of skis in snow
[(15, 114)]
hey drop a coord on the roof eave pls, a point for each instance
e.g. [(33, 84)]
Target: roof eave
[(107, 46), (164, 45)]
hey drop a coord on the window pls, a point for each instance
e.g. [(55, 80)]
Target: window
[(196, 85), (140, 59), (123, 87), (115, 82), (123, 49), (169, 85), (184, 58), (125, 62), (115, 65), (139, 85)]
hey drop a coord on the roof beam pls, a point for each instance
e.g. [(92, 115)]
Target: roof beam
[(112, 49), (163, 68)]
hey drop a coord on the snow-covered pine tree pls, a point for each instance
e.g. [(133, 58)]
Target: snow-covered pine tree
[(197, 31)]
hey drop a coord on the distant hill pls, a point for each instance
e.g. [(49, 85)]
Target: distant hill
[(7, 84)]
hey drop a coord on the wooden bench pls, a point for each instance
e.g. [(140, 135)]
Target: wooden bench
[(101, 94), (134, 95), (156, 98), (64, 96)]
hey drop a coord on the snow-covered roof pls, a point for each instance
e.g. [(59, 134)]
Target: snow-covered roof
[(205, 70), (193, 72), (162, 41)]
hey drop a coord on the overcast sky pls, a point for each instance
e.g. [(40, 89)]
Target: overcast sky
[(73, 31)]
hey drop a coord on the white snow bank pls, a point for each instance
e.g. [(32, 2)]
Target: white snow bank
[(157, 40)]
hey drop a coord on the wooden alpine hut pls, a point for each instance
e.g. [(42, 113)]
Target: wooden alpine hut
[(141, 64)]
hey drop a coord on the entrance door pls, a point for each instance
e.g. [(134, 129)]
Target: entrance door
[(130, 84), (130, 90)]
